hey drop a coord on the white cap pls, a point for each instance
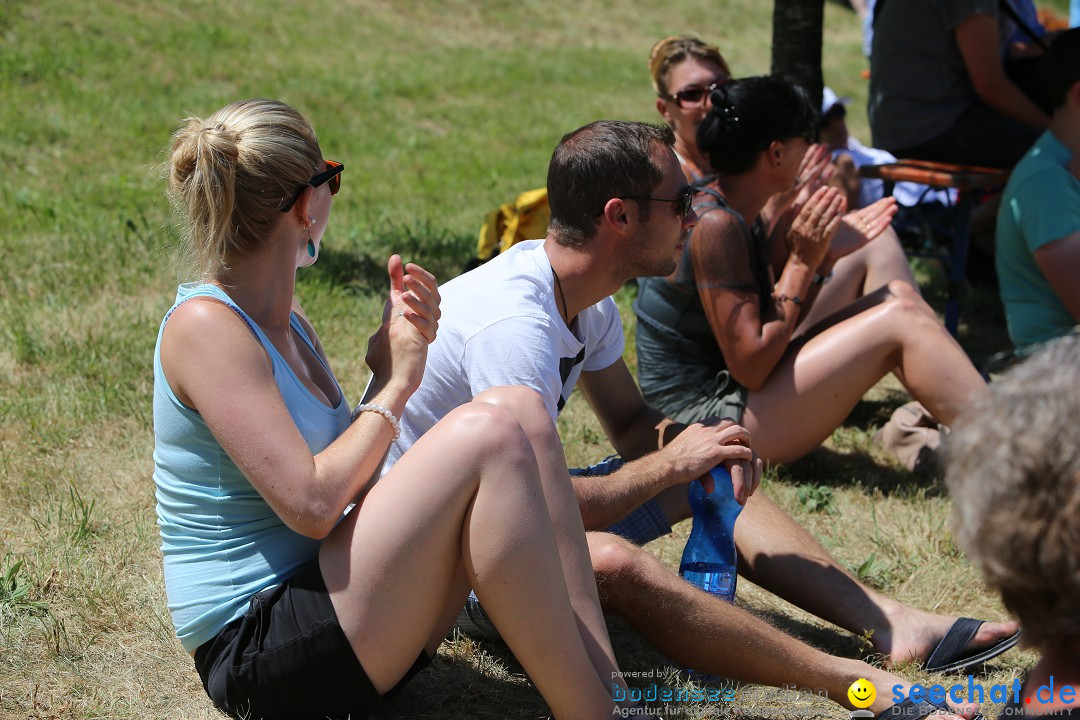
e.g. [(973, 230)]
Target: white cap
[(829, 99)]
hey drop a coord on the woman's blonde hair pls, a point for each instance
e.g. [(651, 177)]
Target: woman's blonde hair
[(230, 173), (674, 50)]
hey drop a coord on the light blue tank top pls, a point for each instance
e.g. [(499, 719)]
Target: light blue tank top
[(221, 542)]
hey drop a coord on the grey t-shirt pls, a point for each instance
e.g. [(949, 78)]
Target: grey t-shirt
[(919, 86)]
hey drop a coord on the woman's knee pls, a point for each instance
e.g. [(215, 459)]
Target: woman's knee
[(904, 299), (525, 404), (482, 431)]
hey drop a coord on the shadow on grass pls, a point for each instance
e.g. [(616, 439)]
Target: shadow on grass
[(459, 687), (359, 273), (858, 469), (361, 269), (466, 682), (871, 414), (829, 639)]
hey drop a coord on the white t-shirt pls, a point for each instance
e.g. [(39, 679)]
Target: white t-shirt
[(500, 326)]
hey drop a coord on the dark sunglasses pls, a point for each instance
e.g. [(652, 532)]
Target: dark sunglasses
[(694, 95), (332, 175), (683, 202)]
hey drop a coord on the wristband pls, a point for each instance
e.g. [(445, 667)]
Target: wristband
[(390, 418), (793, 299), (820, 279)]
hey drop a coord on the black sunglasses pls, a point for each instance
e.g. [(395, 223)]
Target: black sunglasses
[(683, 202), (694, 95), (332, 175)]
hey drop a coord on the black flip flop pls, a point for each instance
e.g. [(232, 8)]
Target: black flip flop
[(949, 655)]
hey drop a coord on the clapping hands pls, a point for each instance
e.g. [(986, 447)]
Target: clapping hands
[(815, 224), (398, 349), (859, 227)]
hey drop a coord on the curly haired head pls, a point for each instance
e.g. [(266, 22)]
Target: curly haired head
[(1013, 468)]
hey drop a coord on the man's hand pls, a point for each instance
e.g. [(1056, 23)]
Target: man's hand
[(699, 448)]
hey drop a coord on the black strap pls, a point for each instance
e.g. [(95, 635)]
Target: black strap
[(1011, 13), (952, 646)]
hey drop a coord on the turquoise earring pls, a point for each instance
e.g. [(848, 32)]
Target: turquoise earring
[(310, 244)]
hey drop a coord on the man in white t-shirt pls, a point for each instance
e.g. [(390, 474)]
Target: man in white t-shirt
[(540, 316)]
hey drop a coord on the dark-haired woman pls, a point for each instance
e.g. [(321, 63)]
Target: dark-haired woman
[(719, 338), (683, 68)]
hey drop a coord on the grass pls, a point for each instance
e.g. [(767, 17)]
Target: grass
[(441, 110)]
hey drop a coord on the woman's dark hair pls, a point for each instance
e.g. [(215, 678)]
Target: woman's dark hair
[(749, 114)]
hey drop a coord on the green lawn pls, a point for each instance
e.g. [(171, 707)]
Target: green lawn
[(441, 111)]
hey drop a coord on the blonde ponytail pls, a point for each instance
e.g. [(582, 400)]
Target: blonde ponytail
[(229, 174)]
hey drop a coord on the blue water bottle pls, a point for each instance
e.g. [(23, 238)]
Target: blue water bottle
[(709, 559)]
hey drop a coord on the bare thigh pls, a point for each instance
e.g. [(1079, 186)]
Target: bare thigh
[(394, 565), (820, 379)]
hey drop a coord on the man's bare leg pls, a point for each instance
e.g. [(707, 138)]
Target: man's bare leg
[(778, 554), (698, 630)]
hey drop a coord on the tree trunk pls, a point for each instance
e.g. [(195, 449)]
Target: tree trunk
[(796, 43)]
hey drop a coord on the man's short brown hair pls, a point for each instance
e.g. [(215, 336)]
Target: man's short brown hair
[(597, 162)]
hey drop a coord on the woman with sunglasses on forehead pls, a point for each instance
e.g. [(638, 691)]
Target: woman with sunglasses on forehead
[(291, 605), (721, 336), (684, 70)]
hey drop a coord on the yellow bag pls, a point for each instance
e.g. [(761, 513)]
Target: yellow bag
[(524, 219)]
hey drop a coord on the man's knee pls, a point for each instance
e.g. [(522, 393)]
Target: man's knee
[(621, 568), (614, 559)]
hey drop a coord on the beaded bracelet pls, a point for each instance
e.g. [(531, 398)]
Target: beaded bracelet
[(794, 299), (390, 418)]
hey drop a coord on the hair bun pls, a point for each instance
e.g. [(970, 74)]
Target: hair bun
[(722, 104)]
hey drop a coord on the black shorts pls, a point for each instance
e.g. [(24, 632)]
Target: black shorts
[(287, 657)]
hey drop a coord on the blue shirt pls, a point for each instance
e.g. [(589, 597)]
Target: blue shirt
[(222, 542)]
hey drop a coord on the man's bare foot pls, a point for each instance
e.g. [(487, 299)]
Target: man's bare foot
[(913, 634)]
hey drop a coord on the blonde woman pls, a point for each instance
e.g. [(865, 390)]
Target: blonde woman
[(290, 606)]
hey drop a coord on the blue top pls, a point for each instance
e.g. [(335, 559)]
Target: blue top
[(1041, 204), (222, 542)]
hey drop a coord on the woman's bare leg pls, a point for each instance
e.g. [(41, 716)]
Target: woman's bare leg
[(529, 410), (464, 507), (819, 381), (861, 273)]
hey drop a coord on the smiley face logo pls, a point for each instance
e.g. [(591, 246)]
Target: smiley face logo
[(862, 693)]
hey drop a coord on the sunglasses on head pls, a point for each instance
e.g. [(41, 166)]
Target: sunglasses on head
[(683, 201), (332, 175), (694, 95)]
